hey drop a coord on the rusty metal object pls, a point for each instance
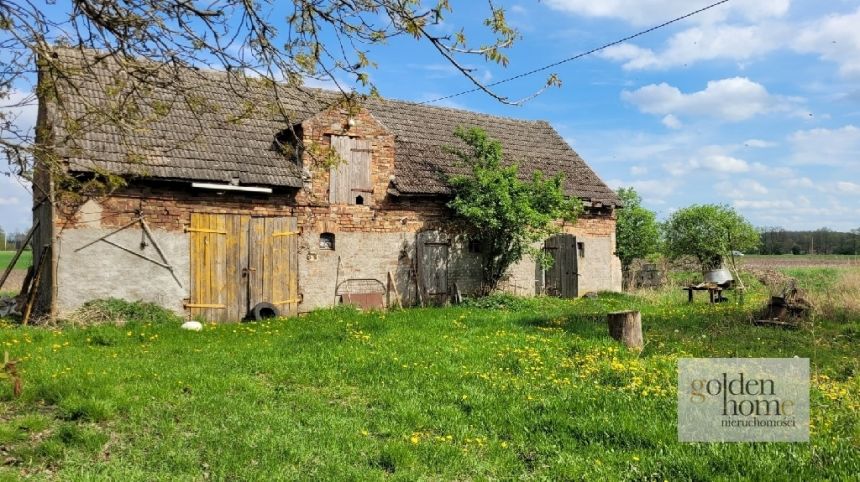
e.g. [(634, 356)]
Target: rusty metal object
[(363, 293), (721, 277), (786, 309)]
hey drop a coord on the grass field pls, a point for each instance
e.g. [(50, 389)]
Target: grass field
[(514, 389), (24, 261)]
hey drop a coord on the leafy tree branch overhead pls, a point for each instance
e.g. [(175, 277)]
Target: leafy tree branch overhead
[(263, 41)]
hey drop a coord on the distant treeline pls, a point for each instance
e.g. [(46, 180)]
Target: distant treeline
[(776, 240)]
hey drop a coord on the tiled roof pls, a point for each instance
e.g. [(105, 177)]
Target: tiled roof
[(223, 126), (422, 162), (204, 125)]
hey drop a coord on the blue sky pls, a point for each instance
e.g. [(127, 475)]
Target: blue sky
[(755, 103)]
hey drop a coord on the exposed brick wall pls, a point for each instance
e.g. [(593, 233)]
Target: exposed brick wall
[(168, 206), (317, 132), (593, 225)]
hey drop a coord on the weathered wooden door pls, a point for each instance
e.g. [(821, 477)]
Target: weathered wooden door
[(350, 180), (432, 257), (238, 261), (273, 262), (562, 278), (209, 280)]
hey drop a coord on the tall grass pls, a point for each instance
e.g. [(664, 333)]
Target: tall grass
[(839, 300)]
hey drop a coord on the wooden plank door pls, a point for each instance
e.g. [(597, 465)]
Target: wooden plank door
[(237, 262), (273, 263), (350, 179), (209, 280), (562, 278), (432, 257)]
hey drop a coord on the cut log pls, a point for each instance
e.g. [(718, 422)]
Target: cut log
[(626, 327)]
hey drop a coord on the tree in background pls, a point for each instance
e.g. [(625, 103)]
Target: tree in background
[(507, 215), (708, 232), (637, 232)]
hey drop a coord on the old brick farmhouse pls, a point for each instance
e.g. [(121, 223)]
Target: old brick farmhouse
[(227, 205)]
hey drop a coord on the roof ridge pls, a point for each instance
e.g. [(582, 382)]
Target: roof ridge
[(454, 109)]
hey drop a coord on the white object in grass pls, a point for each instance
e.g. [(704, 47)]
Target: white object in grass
[(192, 325)]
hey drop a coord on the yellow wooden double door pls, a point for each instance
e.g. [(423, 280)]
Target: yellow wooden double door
[(238, 261)]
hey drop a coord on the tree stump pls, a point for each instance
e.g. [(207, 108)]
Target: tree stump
[(626, 327)]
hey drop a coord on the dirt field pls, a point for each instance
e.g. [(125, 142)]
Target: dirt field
[(798, 261)]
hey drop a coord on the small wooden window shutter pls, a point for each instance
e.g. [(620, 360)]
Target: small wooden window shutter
[(350, 180)]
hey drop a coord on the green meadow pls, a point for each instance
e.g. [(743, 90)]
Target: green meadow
[(23, 262), (501, 388)]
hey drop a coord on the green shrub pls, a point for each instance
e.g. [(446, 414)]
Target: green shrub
[(117, 311)]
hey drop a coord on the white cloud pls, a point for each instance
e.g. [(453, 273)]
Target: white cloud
[(633, 56), (740, 190), (676, 168), (835, 38), (645, 12), (754, 186), (671, 122), (657, 189), (762, 204), (801, 182), (733, 99), (638, 170), (711, 42), (848, 187), (827, 147), (9, 201), (772, 170), (758, 143), (721, 163)]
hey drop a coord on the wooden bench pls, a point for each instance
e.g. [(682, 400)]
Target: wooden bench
[(715, 292)]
